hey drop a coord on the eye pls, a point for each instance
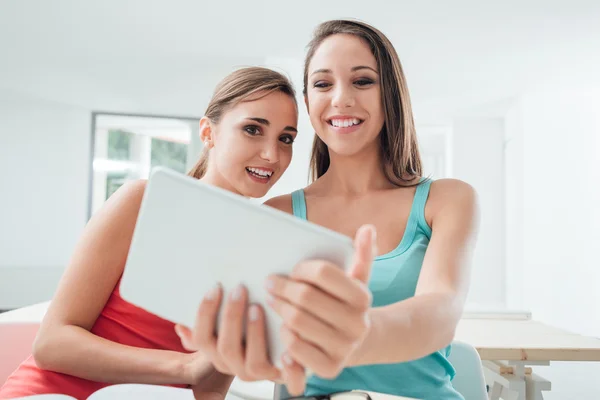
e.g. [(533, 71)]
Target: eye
[(252, 130), (321, 85), (364, 82), (287, 139)]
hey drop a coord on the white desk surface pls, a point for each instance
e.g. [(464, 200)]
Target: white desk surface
[(30, 314), (522, 339)]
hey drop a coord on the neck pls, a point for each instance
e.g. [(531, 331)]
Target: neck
[(355, 175), (218, 181)]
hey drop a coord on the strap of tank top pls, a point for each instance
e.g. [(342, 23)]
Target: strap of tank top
[(299, 204), (420, 200)]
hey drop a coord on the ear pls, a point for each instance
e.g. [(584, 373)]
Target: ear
[(206, 132), (306, 102)]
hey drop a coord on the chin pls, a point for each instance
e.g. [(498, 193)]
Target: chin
[(259, 194), (255, 192), (346, 149)]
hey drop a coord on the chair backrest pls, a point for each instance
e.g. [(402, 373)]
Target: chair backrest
[(280, 392), (469, 380)]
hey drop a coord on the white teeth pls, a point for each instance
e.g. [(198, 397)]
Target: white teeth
[(260, 172), (344, 123)]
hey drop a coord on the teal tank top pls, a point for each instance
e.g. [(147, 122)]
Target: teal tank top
[(394, 278)]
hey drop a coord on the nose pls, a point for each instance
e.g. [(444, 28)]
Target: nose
[(343, 97), (270, 152)]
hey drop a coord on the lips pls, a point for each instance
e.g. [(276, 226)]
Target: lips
[(260, 175), (264, 172), (344, 122)]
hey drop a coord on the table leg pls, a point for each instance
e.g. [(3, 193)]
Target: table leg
[(535, 384), (514, 381)]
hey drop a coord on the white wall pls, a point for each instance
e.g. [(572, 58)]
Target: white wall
[(553, 220), (477, 158), (562, 172), (514, 203), (561, 225), (44, 153)]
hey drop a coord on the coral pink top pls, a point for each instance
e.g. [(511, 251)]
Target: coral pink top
[(119, 321)]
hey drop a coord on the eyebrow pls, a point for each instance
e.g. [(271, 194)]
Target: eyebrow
[(353, 69), (266, 122)]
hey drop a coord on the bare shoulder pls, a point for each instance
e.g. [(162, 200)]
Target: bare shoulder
[(450, 194), (451, 188), (132, 191), (126, 200), (282, 203)]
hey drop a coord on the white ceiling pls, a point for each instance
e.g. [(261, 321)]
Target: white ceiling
[(164, 57)]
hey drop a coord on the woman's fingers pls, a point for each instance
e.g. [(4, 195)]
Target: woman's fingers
[(311, 329), (336, 316), (307, 354), (294, 375), (365, 250), (326, 309), (332, 280), (186, 336), (230, 344), (206, 320), (258, 364), (241, 346)]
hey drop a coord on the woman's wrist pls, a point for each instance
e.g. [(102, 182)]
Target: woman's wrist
[(361, 354), (184, 368)]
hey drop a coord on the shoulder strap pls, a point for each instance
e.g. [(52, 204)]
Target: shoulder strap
[(299, 204), (421, 195)]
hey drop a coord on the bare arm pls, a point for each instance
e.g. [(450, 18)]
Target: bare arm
[(425, 323), (64, 342)]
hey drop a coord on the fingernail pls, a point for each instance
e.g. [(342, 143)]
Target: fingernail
[(269, 284), (373, 233), (237, 293), (270, 298), (253, 313), (212, 293), (287, 359)]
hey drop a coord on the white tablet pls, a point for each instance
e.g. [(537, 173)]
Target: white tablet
[(189, 236)]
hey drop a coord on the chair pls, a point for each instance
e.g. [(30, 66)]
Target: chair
[(468, 381), (280, 392), (17, 332)]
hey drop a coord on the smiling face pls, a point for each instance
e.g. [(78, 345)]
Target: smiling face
[(251, 145), (343, 95), (363, 84)]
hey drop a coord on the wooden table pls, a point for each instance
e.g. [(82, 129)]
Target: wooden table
[(510, 344)]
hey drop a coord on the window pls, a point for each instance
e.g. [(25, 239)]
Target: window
[(128, 147)]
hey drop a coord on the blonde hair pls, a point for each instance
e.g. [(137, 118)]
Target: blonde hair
[(236, 88)]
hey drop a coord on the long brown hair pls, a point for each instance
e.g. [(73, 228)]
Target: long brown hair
[(398, 141), (236, 88)]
